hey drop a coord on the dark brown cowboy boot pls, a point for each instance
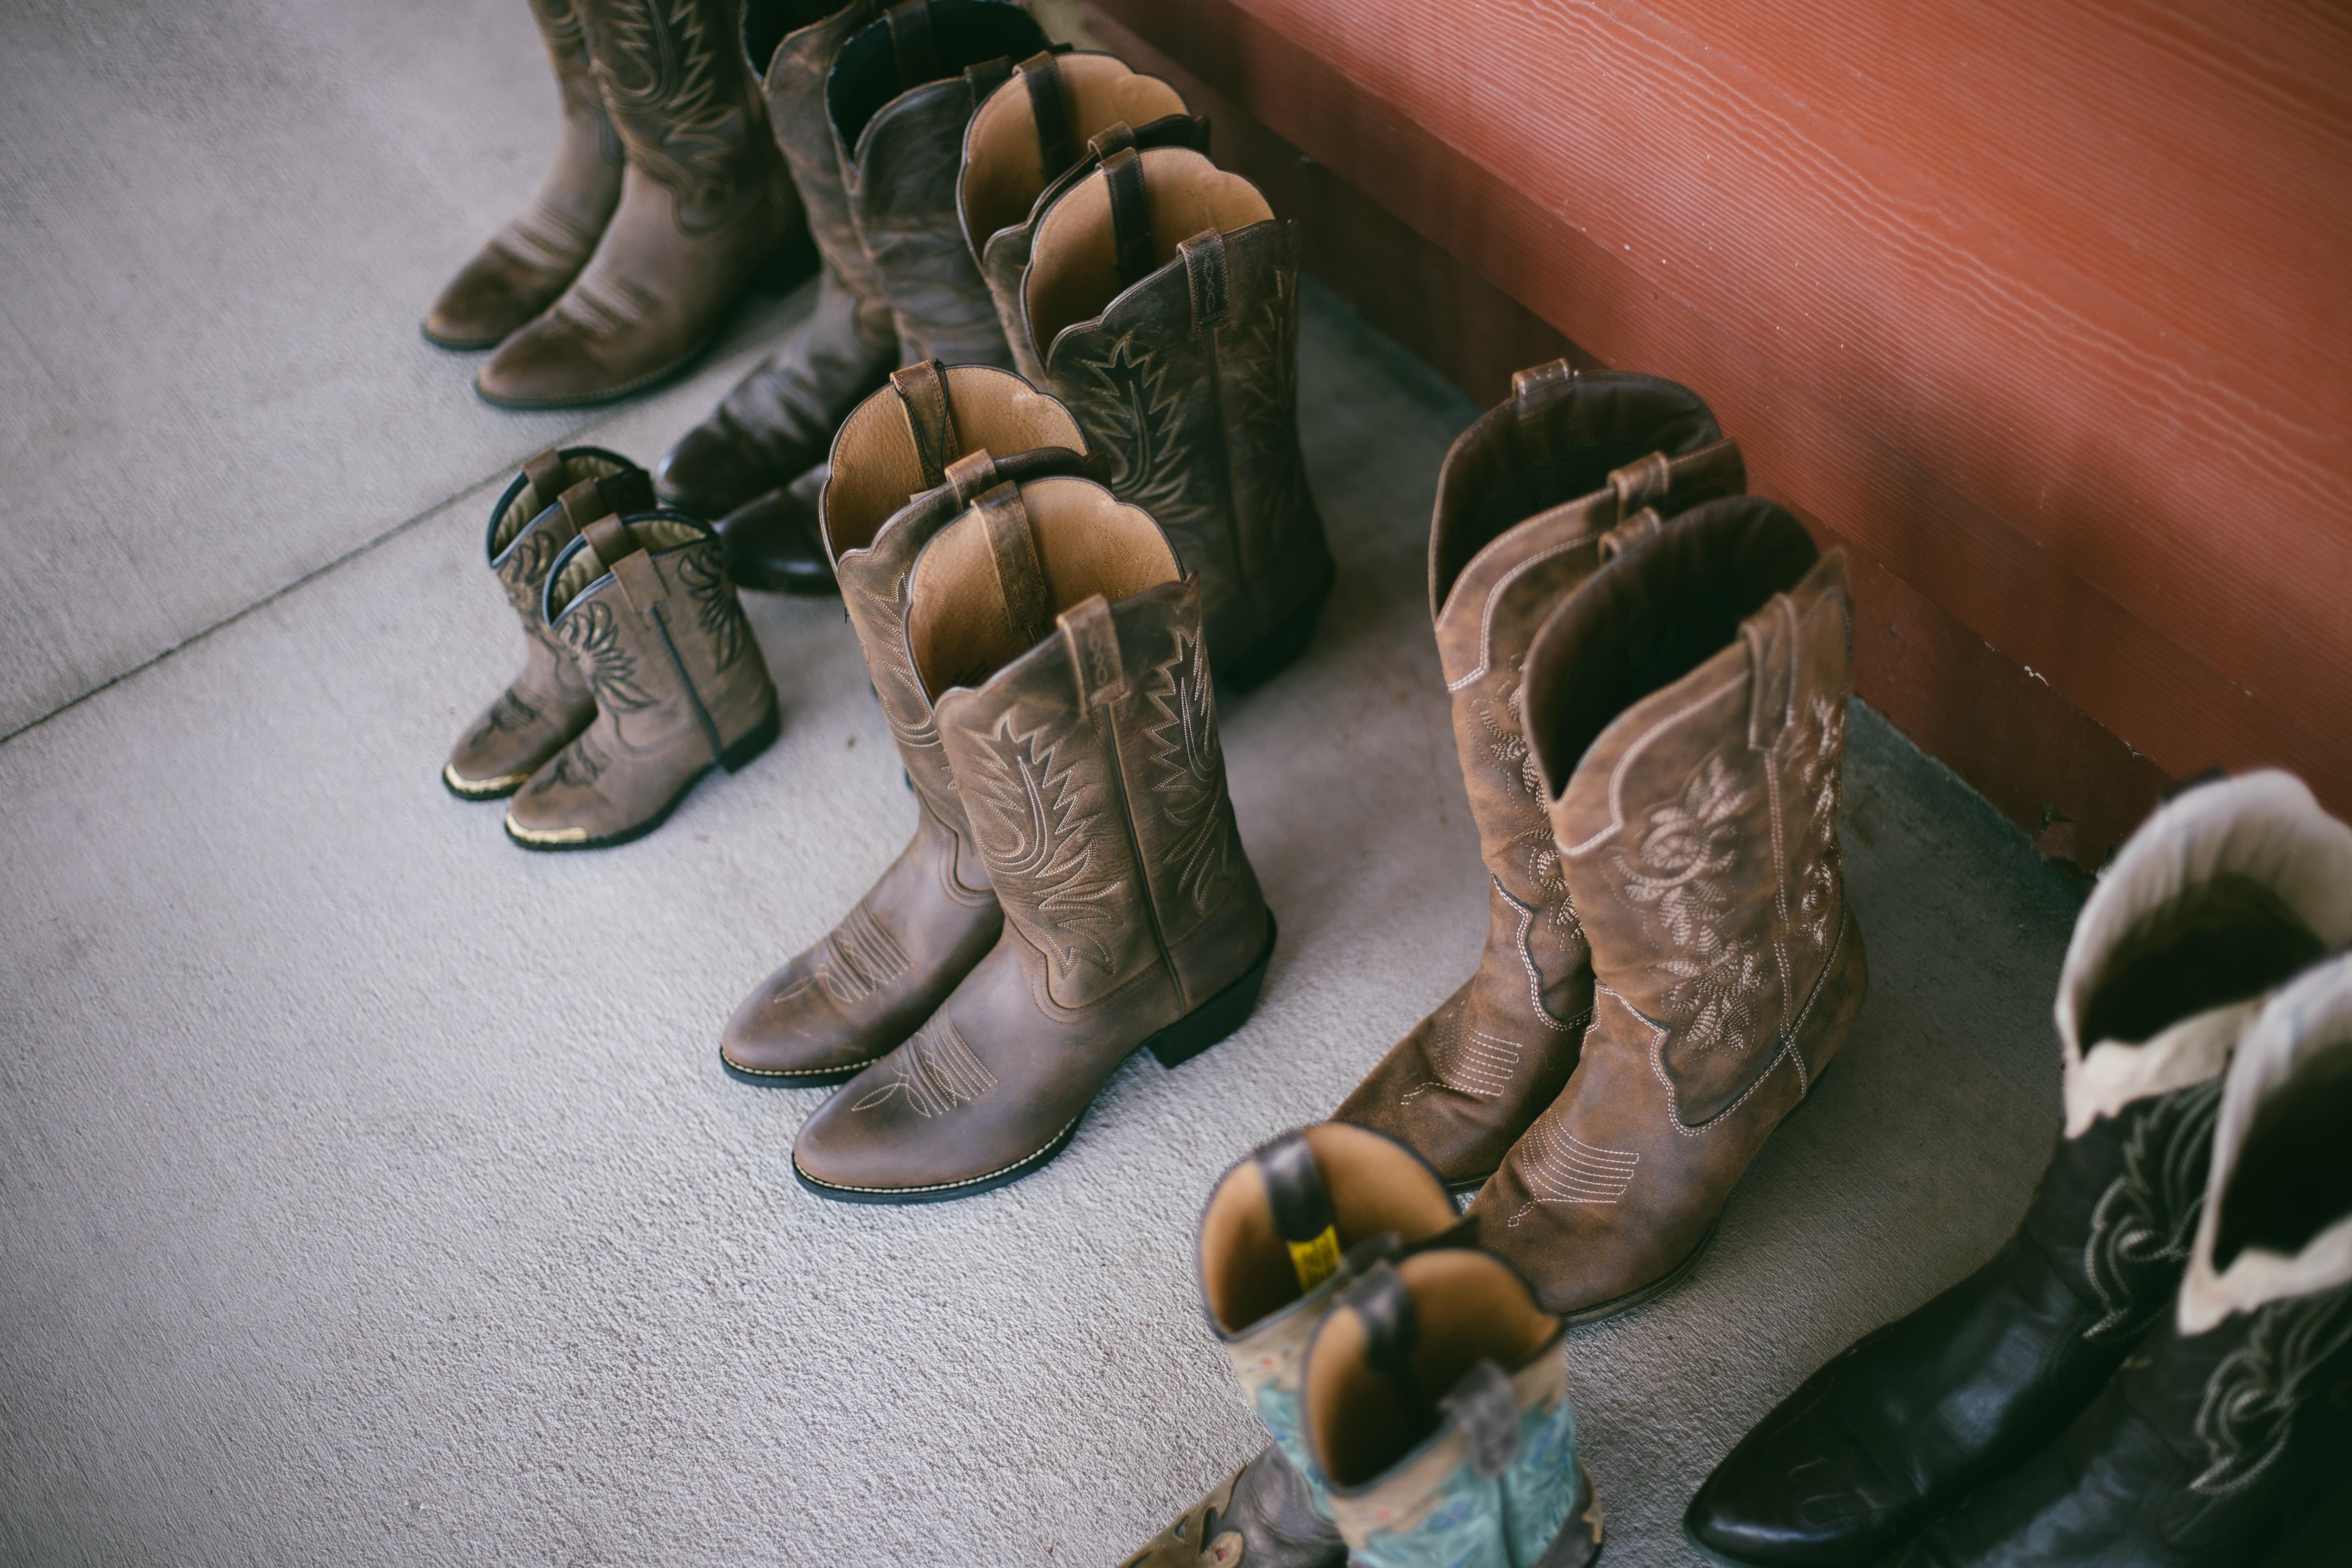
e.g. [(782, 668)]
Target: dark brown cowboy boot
[(1150, 279), (911, 458), (1284, 1232), (1686, 711), (541, 249), (740, 464), (645, 606), (542, 708), (705, 205), (1062, 653), (1524, 497), (1035, 136)]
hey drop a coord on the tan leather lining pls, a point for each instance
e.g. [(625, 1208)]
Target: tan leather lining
[(1073, 275), (1375, 1186), (875, 465), (1001, 179)]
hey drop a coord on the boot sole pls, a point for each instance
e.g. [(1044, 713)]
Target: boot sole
[(1720, 1559), (1178, 1043), (1280, 647), (794, 1078), (733, 760), (490, 789), (602, 395), (462, 345)]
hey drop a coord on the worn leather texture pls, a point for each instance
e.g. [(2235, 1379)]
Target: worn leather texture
[(871, 982), (1101, 812), (705, 203), (1686, 713), (547, 703), (537, 254), (1221, 474), (776, 423), (898, 99), (1258, 1516), (1523, 500), (680, 684)]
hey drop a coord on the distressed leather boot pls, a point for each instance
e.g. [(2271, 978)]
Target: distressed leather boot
[(2221, 895), (645, 607), (912, 457), (1522, 501), (1062, 653), (541, 249), (1436, 1403), (542, 708), (741, 464), (2232, 1422), (1037, 135), (1285, 1232), (705, 205), (1153, 281), (1685, 712)]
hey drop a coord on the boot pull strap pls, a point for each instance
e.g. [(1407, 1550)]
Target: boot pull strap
[(1057, 146), (981, 81), (582, 504), (620, 553), (1391, 1332), (1205, 278), (1116, 137), (916, 52), (1485, 1410), (922, 391), (972, 476), (1301, 1205), (1643, 482), (1631, 532), (1534, 386), (1020, 575), (1092, 637), (545, 476), (608, 536), (1131, 216)]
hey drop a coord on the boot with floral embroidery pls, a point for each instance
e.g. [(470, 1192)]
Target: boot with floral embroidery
[(2231, 1421), (1062, 654), (1685, 712), (2223, 894), (1522, 503)]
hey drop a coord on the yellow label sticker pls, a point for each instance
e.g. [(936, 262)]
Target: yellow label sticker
[(1316, 1261)]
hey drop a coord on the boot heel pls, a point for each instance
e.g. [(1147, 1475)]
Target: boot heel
[(1279, 647), (736, 756), (1220, 1015)]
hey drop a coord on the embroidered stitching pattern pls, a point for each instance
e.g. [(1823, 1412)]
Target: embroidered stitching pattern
[(2146, 1218), (936, 1070), (1819, 781), (665, 79), (859, 954), (1467, 1061), (1043, 855), (1129, 403), (1266, 410), (717, 611), (593, 635), (1564, 1169), (2247, 1412), (1191, 770), (576, 767), (1528, 964), (1714, 978)]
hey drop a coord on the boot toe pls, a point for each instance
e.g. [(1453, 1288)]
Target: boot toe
[(546, 364), (710, 472), (788, 1033), (771, 545), (489, 301)]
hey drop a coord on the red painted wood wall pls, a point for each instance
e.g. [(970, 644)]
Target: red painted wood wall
[(2039, 306)]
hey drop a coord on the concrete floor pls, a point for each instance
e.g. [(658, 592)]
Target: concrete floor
[(369, 1192)]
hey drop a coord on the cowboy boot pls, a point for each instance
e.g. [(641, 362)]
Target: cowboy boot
[(1685, 708), (705, 204), (542, 708), (2231, 1421), (900, 94), (643, 606), (1436, 1403), (541, 249), (1284, 1232), (2223, 894), (1524, 497), (1062, 654), (1154, 281), (910, 459), (740, 465), (1035, 137)]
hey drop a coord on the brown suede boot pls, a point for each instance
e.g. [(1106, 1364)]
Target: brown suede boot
[(705, 204), (645, 607), (1062, 652), (1035, 137), (740, 465), (541, 249), (1522, 503), (1686, 711), (1162, 302), (910, 459), (542, 708)]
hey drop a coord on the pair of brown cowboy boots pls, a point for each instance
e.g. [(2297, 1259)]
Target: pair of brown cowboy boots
[(642, 674), (1075, 888), (665, 199), (1056, 217)]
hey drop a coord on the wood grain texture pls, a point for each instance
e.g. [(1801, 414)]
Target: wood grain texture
[(2035, 305)]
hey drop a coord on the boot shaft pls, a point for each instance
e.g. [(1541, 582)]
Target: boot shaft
[(898, 96), (790, 46), (563, 25), (1064, 658), (674, 83), (1153, 280), (1436, 1402), (551, 498), (1054, 122), (1686, 713)]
